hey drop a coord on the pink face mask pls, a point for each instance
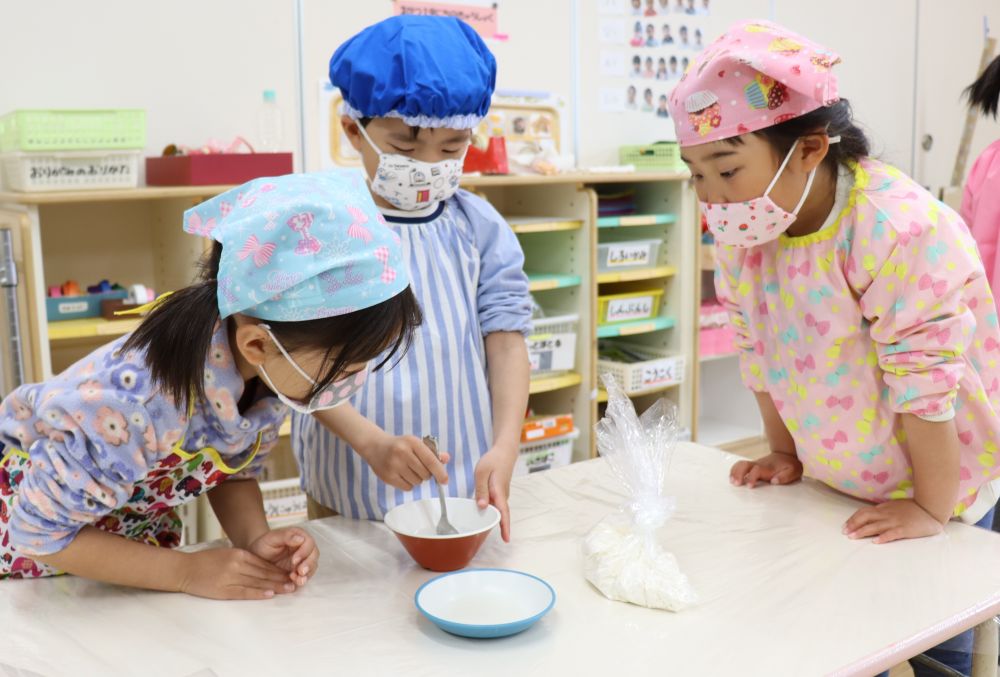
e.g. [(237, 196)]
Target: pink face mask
[(756, 221)]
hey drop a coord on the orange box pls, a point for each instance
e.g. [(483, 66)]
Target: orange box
[(537, 428)]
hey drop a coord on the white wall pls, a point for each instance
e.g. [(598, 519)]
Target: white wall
[(198, 67)]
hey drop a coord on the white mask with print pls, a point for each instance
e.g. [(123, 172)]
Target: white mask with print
[(409, 184)]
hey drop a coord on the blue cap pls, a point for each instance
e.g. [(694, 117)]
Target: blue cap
[(301, 247), (429, 71)]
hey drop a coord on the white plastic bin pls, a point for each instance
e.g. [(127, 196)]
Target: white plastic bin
[(552, 344), (616, 256), (545, 454)]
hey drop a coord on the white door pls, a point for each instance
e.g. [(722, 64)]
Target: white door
[(951, 42)]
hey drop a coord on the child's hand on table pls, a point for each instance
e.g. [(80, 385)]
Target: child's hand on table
[(892, 521), (775, 468), (232, 573), (404, 462), (493, 473), (291, 550)]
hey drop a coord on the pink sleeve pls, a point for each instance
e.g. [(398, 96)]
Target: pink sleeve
[(981, 208), (916, 304), (727, 286)]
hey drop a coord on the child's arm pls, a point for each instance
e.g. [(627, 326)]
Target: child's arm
[(781, 466), (402, 462), (509, 373), (934, 454), (225, 573), (239, 506), (503, 302), (917, 290)]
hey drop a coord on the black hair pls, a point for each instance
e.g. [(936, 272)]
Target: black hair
[(177, 334), (984, 93), (836, 120), (414, 131)]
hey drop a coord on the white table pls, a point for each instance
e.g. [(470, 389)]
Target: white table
[(784, 593)]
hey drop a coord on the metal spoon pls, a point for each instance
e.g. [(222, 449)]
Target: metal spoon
[(444, 527)]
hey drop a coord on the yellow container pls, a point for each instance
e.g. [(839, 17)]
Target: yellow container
[(638, 305)]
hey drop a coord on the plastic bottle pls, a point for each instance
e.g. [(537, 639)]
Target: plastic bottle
[(269, 124)]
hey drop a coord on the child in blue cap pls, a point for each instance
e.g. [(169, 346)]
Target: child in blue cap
[(413, 89), (291, 309)]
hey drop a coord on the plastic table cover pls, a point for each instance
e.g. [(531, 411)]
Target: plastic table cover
[(783, 593)]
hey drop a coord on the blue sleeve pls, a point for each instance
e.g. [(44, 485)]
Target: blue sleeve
[(504, 302)]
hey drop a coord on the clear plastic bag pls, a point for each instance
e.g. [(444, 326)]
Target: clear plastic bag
[(622, 555)]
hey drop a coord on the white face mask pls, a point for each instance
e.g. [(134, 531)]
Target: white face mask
[(331, 396), (409, 184)]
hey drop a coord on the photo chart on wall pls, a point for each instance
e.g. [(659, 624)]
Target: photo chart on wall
[(645, 47)]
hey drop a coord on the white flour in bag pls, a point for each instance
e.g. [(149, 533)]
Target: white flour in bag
[(627, 567), (621, 555)]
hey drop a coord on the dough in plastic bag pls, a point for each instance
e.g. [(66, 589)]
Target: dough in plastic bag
[(622, 555)]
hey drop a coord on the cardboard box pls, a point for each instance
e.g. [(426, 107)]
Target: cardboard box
[(215, 169), (537, 428)]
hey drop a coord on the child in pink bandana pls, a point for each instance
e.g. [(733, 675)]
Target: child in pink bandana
[(866, 325)]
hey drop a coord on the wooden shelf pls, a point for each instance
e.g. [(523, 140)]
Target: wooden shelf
[(550, 383), (640, 274), (542, 282), (165, 192), (716, 358), (635, 220), (602, 394), (143, 193), (636, 327), (91, 327), (529, 224), (573, 177)]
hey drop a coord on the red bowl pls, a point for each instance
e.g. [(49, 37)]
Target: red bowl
[(415, 526)]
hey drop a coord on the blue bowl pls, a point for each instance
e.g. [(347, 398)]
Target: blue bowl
[(485, 603)]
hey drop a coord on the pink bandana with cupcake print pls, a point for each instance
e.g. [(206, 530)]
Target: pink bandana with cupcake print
[(757, 74)]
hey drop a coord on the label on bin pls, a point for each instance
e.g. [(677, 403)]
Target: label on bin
[(628, 255), (285, 508), (637, 308), (658, 373), (67, 307)]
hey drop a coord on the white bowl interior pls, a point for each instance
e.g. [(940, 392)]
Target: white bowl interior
[(485, 597), (420, 518)]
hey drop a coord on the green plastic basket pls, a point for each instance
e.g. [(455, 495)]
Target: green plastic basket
[(63, 130), (662, 156)]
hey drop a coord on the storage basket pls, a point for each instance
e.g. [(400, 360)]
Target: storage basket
[(659, 369), (83, 170), (63, 130), (663, 156)]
